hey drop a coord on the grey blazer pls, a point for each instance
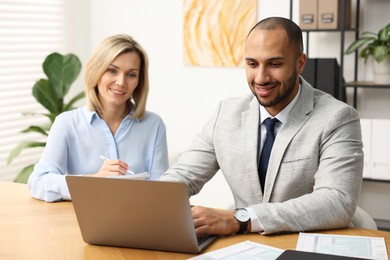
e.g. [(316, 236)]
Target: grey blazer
[(315, 169)]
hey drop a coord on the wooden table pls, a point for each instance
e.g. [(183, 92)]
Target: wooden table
[(32, 229)]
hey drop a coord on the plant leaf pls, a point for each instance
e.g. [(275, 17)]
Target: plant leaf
[(383, 34), (74, 100), (24, 174), (366, 34), (35, 128), (364, 53), (45, 95), (52, 117), (20, 147), (357, 44), (380, 53), (62, 71)]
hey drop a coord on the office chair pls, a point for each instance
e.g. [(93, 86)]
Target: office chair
[(361, 219)]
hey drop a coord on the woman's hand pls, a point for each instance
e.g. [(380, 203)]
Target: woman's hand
[(112, 168)]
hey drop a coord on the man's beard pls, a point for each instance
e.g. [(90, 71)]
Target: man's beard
[(280, 97)]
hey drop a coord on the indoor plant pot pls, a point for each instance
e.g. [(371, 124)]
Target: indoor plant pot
[(382, 71), (376, 45)]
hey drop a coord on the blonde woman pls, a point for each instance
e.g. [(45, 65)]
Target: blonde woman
[(114, 125)]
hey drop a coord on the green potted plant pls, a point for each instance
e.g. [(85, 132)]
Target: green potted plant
[(61, 72), (376, 45)]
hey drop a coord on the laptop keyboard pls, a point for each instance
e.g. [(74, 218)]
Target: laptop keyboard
[(202, 239)]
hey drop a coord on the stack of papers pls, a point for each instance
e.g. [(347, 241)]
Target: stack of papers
[(341, 245), (137, 176), (354, 246), (244, 250)]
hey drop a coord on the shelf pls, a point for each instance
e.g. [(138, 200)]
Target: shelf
[(376, 180), (363, 84), (331, 30), (366, 84)]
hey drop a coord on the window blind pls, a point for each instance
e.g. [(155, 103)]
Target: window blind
[(29, 31)]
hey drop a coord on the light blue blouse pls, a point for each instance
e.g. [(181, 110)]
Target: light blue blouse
[(77, 139)]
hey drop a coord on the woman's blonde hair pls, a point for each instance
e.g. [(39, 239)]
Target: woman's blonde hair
[(101, 59)]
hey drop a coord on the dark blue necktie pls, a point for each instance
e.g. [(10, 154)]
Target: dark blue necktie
[(266, 152)]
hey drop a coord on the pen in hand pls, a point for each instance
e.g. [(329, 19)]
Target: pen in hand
[(105, 159)]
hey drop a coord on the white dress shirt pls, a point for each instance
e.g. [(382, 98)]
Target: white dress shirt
[(282, 116), (78, 138)]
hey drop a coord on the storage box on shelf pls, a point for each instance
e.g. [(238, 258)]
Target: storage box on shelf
[(334, 16)]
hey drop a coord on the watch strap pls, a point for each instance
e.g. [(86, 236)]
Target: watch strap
[(243, 225)]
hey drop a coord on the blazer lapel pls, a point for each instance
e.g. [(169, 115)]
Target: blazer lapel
[(297, 118), (249, 131)]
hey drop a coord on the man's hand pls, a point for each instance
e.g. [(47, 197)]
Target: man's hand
[(210, 221)]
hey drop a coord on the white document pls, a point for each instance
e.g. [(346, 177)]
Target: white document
[(366, 125), (353, 246), (380, 168), (137, 176), (244, 250)]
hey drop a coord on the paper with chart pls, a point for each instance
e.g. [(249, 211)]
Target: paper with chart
[(245, 250), (355, 246)]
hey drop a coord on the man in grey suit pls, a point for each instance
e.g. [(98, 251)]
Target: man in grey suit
[(315, 168)]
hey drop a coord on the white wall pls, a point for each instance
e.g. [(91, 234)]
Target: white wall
[(78, 31), (184, 96)]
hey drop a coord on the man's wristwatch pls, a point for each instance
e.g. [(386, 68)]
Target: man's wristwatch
[(242, 216)]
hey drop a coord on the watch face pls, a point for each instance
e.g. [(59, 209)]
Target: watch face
[(242, 215)]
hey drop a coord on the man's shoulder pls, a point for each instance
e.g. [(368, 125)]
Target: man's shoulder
[(327, 100), (320, 98), (329, 105)]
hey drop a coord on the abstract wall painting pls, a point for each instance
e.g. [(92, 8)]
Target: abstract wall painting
[(214, 31)]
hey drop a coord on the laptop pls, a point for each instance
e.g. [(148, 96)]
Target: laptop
[(135, 213)]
